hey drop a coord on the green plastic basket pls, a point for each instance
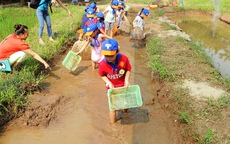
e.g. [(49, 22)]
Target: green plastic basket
[(71, 61), (123, 98)]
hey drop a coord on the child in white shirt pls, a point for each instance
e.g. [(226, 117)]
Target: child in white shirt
[(137, 34)]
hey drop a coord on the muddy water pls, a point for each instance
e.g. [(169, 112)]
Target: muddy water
[(214, 36), (84, 119)]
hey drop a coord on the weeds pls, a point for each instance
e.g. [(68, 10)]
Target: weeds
[(154, 48), (26, 78), (184, 117), (208, 138), (168, 26)]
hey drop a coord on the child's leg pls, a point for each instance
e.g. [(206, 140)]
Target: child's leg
[(93, 65), (125, 110), (112, 116)]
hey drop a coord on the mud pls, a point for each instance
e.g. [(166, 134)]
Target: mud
[(74, 104)]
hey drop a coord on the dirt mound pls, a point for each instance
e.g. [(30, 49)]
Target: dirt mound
[(225, 18), (41, 110)]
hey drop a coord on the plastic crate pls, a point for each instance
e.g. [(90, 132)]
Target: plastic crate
[(71, 61), (123, 98)]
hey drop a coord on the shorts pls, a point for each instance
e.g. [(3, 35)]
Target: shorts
[(109, 25)]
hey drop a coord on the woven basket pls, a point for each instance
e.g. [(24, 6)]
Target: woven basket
[(86, 54)]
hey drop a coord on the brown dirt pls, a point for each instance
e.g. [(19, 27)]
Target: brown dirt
[(45, 107)]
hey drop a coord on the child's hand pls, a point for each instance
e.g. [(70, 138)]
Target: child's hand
[(126, 84), (77, 53), (110, 85), (53, 1)]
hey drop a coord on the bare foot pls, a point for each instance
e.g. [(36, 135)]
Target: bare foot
[(41, 42), (52, 40)]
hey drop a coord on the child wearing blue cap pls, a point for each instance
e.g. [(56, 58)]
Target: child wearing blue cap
[(95, 39), (101, 23), (120, 14), (137, 34), (114, 70), (110, 15), (93, 5), (87, 17)]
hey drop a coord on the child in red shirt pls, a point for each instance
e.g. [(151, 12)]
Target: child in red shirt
[(115, 69)]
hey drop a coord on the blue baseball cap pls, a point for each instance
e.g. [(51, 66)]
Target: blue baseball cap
[(109, 47), (90, 29), (87, 1), (93, 5), (90, 12), (145, 12), (114, 4), (121, 4), (100, 15)]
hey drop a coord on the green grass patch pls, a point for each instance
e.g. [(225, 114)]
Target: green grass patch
[(26, 78), (168, 26)]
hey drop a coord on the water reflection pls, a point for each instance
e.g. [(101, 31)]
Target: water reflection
[(201, 29)]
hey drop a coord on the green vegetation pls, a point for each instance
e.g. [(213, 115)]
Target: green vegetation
[(26, 78), (206, 5), (202, 5), (168, 26)]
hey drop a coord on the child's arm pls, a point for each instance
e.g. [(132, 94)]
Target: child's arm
[(107, 82), (123, 16), (85, 46), (127, 76), (105, 36)]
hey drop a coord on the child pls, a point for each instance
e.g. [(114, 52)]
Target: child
[(115, 69), (137, 34), (96, 39), (93, 5), (87, 2), (89, 15), (110, 17), (120, 14), (101, 23)]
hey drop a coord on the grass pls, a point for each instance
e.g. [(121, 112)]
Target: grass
[(174, 66), (168, 26), (15, 87)]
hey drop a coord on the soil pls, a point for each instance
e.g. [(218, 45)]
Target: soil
[(55, 98)]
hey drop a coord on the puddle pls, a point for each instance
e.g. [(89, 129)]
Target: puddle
[(215, 39)]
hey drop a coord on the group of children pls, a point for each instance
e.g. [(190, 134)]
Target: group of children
[(113, 67)]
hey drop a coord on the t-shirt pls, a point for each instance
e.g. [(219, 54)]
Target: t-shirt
[(90, 21), (101, 26), (139, 22), (10, 45), (110, 14), (84, 20), (44, 6), (116, 77)]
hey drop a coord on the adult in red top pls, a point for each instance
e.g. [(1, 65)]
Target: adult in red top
[(115, 69), (15, 49)]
